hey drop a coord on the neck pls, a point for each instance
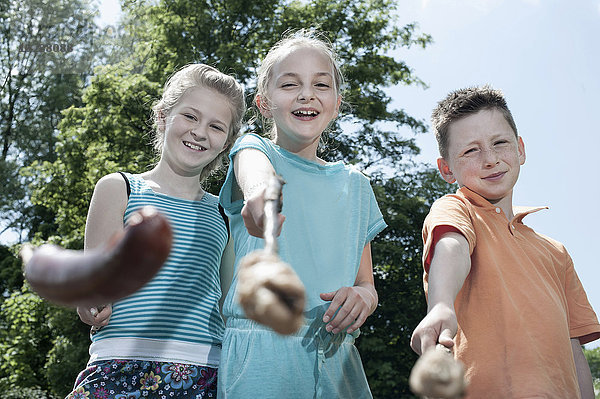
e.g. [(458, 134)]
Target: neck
[(306, 150), (506, 205), (165, 180)]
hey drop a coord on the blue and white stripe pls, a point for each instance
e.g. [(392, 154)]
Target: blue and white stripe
[(181, 302)]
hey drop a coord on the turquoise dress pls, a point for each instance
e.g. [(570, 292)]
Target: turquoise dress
[(331, 214)]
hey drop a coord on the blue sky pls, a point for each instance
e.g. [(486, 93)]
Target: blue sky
[(545, 56)]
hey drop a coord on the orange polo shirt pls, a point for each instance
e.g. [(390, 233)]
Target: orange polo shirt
[(520, 305)]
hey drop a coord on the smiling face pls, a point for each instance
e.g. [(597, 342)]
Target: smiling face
[(196, 130), (484, 155), (302, 100)]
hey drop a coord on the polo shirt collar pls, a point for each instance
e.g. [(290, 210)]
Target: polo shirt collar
[(477, 200)]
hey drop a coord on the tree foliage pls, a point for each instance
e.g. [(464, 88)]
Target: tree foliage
[(44, 51), (105, 128), (593, 358)]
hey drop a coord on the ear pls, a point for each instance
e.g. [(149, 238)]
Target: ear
[(337, 106), (445, 171), (521, 149), (161, 121), (263, 107)]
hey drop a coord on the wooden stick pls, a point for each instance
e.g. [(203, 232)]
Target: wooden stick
[(269, 290)]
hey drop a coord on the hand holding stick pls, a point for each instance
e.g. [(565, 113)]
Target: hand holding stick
[(438, 375), (268, 289), (104, 274)]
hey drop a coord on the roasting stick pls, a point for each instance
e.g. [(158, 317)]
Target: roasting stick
[(269, 290), (438, 375), (104, 274)]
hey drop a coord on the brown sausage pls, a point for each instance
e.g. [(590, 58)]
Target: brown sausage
[(104, 274)]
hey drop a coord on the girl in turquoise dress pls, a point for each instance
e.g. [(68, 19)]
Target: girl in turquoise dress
[(329, 217)]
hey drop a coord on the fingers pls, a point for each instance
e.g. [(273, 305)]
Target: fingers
[(253, 218), (422, 340), (352, 309), (281, 220), (446, 338), (438, 326), (93, 316), (253, 214)]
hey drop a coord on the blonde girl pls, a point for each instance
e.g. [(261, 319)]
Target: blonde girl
[(165, 340)]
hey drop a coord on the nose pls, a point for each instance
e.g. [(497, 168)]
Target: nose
[(197, 134), (490, 156), (306, 93)]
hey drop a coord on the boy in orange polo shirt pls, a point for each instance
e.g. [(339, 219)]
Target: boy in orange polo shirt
[(505, 297)]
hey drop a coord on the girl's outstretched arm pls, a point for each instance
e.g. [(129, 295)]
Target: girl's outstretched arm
[(355, 303), (104, 219), (252, 171)]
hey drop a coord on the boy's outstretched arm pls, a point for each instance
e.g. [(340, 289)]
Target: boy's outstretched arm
[(450, 265), (252, 171), (584, 375)]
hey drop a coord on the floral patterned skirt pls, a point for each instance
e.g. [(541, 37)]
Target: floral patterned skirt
[(133, 379)]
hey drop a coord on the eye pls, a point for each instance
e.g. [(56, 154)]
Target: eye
[(500, 142), (470, 151), (190, 117), (218, 127), (323, 85), (288, 85)]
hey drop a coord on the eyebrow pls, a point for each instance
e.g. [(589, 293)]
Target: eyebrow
[(495, 136), (294, 74), (215, 119)]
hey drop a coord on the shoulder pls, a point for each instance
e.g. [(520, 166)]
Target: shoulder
[(252, 140), (554, 244), (111, 183), (450, 203), (110, 191), (353, 172), (211, 199), (451, 210)]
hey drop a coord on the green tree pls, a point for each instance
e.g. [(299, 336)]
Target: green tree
[(36, 340), (44, 48), (593, 358)]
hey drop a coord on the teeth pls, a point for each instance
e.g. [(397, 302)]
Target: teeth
[(305, 113), (193, 146)]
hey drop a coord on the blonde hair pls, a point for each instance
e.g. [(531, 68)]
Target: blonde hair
[(292, 40), (201, 75)]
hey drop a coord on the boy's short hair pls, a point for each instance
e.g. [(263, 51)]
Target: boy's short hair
[(464, 102)]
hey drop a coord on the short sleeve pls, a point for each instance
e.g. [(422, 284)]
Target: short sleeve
[(249, 140), (583, 322), (376, 222), (450, 211)]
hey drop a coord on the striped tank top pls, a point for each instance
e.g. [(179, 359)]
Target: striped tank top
[(175, 317)]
